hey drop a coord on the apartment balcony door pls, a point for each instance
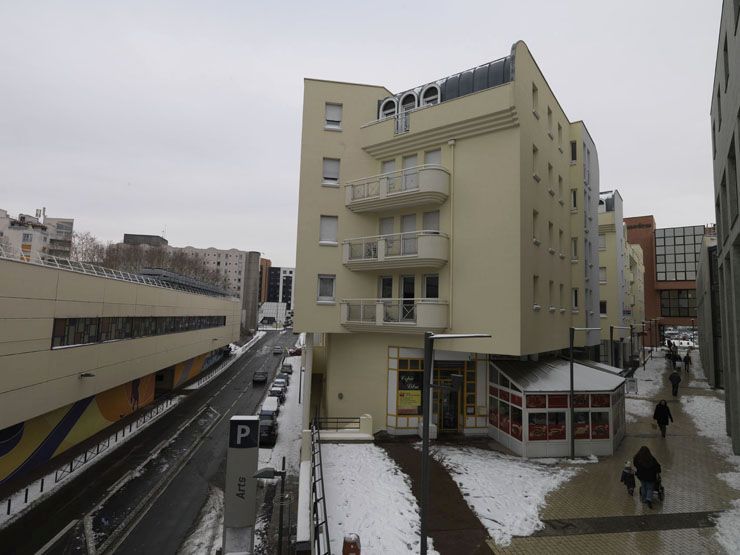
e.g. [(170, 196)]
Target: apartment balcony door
[(408, 287), (409, 241), (410, 173)]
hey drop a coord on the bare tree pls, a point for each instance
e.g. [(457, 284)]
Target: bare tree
[(87, 248)]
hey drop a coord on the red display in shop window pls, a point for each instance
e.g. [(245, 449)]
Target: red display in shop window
[(580, 400), (516, 400), (537, 426), (493, 391), (504, 395), (516, 430), (493, 416), (582, 426), (600, 400), (504, 422), (600, 431), (536, 401), (556, 425), (557, 401)]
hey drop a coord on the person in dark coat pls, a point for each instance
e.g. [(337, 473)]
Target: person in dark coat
[(675, 379), (662, 415), (687, 360), (647, 469)]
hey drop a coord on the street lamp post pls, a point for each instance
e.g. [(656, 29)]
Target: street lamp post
[(572, 336), (269, 473), (426, 407)]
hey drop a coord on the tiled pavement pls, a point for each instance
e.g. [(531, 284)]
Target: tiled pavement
[(690, 469)]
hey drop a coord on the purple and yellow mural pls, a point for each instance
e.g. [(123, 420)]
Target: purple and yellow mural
[(187, 370), (27, 445)]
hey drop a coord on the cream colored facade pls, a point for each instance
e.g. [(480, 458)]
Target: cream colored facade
[(473, 214), (635, 280), (37, 378), (612, 259)]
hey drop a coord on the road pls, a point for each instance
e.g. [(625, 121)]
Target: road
[(163, 522)]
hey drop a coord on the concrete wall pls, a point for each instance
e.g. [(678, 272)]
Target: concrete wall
[(250, 290), (36, 379), (708, 313)]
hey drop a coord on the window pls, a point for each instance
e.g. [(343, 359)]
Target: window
[(602, 242), (326, 288), (328, 230), (560, 295), (549, 176), (430, 221), (602, 274), (534, 223), (727, 63), (560, 137), (677, 259), (574, 298), (550, 235), (333, 116), (27, 237), (573, 151), (678, 303), (549, 122), (560, 189), (331, 171), (430, 96), (719, 110), (535, 152), (714, 141), (732, 182), (573, 199), (551, 294), (431, 286), (602, 308), (535, 100), (433, 156), (535, 292), (385, 287), (560, 241), (388, 108), (574, 248)]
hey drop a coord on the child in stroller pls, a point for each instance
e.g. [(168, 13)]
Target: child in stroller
[(658, 489)]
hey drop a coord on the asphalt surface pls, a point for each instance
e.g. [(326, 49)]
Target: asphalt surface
[(161, 525)]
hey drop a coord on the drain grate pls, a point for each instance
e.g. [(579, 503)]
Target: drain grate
[(636, 523)]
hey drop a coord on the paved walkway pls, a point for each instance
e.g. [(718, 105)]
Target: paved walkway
[(592, 513)]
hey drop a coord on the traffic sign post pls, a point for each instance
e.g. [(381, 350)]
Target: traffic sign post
[(241, 487)]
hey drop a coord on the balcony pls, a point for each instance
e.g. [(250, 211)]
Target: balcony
[(420, 185), (394, 315), (415, 249)]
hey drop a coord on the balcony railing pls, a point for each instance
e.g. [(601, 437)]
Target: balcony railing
[(399, 315), (427, 248), (427, 184)]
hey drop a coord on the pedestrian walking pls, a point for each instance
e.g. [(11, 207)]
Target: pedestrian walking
[(687, 360), (647, 469), (628, 477), (675, 379), (662, 415)]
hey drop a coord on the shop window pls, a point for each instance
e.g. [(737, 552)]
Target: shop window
[(493, 390), (504, 381), (504, 395), (504, 420), (516, 400), (600, 425), (492, 374), (555, 425), (516, 423), (536, 401), (600, 400), (537, 424), (557, 401), (409, 392), (580, 400), (582, 425), (493, 412)]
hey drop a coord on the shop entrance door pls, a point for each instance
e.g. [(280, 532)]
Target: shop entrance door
[(446, 402)]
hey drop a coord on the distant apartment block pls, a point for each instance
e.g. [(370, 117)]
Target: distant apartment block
[(725, 128), (36, 235)]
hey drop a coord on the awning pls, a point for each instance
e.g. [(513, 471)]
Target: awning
[(554, 375)]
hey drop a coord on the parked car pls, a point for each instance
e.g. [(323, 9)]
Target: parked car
[(278, 393), (268, 423), (271, 404), (295, 351), (281, 383), (286, 368), (283, 376), (260, 376), (277, 350)]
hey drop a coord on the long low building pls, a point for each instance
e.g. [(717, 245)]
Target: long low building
[(82, 348)]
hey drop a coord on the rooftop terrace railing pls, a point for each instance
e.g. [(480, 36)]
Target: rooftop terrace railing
[(59, 263)]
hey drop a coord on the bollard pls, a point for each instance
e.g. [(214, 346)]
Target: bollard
[(351, 545), (42, 485)]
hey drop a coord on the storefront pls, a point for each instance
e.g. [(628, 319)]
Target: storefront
[(460, 410), (529, 407)]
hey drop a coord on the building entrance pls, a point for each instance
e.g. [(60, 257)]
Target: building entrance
[(446, 403)]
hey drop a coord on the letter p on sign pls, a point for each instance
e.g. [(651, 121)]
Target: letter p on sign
[(243, 432)]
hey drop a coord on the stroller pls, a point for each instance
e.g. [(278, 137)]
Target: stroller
[(658, 489)]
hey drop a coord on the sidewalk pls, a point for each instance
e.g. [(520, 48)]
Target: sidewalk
[(593, 513)]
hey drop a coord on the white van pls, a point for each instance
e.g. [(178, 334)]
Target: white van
[(270, 405)]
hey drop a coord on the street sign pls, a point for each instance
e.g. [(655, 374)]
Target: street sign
[(241, 488)]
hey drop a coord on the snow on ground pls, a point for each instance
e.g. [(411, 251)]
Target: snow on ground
[(506, 493), (638, 408), (290, 426), (708, 414), (651, 380), (206, 536), (699, 384), (367, 494)]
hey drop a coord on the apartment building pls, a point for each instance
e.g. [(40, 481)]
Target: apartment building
[(635, 282), (265, 265), (79, 352), (725, 125), (240, 269), (671, 257), (36, 235), (280, 286), (465, 205)]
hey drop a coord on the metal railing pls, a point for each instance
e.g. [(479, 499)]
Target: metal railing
[(338, 423), (394, 310), (318, 495), (60, 263), (17, 502), (396, 244), (395, 182)]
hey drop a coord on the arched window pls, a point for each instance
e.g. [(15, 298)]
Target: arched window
[(430, 96), (602, 206), (388, 108), (408, 102)]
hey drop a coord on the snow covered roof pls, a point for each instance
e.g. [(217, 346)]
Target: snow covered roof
[(554, 375)]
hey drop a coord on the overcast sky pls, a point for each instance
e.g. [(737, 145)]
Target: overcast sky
[(182, 116)]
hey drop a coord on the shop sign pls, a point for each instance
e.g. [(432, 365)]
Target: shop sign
[(409, 392)]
